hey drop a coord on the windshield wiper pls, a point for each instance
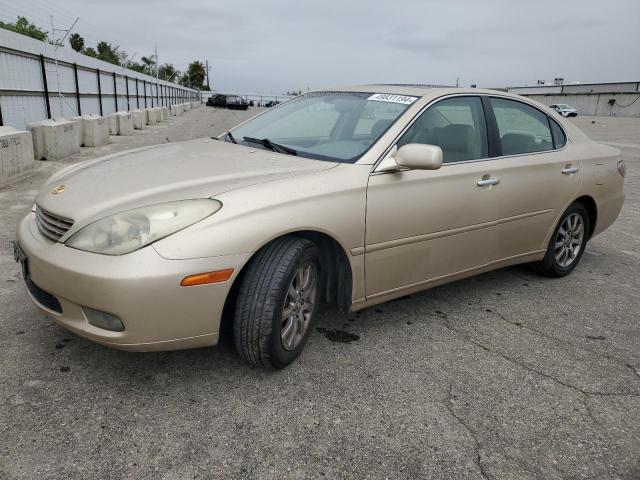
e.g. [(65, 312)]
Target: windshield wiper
[(274, 147)]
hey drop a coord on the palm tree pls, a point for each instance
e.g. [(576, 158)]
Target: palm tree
[(76, 42), (168, 72), (150, 64), (195, 75)]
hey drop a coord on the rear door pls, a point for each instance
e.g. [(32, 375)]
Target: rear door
[(540, 176)]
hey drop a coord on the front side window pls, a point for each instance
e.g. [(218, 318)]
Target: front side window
[(456, 125), (335, 126), (521, 127)]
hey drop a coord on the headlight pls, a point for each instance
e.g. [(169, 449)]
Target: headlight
[(131, 230)]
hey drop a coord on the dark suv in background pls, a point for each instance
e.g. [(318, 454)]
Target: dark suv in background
[(232, 102)]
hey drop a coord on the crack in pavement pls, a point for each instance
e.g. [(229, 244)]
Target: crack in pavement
[(448, 404), (559, 340), (529, 368)]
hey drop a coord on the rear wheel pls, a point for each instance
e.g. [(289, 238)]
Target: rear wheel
[(567, 243), (276, 302)]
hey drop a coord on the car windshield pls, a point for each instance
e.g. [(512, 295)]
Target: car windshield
[(335, 126)]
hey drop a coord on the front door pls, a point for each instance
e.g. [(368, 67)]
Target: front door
[(422, 226)]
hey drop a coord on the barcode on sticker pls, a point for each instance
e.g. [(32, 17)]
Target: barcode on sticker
[(389, 97)]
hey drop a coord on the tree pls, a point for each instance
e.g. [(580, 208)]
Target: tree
[(149, 64), (194, 76), (110, 53), (23, 27), (135, 66), (90, 52), (76, 42), (168, 72)]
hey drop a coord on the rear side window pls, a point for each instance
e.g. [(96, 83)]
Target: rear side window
[(559, 138), (522, 128), (456, 125)]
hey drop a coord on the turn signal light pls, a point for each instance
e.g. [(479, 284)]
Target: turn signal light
[(621, 168), (208, 277)]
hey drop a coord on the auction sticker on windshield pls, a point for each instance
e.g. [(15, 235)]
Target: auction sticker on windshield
[(388, 97)]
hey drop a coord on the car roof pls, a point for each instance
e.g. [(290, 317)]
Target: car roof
[(412, 89)]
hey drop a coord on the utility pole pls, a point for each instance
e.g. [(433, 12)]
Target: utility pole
[(457, 82), (57, 44), (157, 64), (207, 66)]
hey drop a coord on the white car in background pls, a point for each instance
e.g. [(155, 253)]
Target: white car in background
[(565, 110)]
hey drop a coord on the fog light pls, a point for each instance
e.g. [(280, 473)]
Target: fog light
[(103, 319)]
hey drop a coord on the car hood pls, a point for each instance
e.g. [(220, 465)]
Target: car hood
[(163, 173)]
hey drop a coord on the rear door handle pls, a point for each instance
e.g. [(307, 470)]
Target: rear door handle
[(488, 181), (569, 170)]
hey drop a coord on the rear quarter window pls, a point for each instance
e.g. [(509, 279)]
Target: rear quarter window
[(559, 138)]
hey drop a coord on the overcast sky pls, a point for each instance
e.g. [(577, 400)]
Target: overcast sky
[(266, 46)]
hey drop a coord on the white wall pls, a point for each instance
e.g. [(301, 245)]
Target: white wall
[(22, 97)]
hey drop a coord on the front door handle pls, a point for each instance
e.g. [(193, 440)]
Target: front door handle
[(569, 170), (488, 181)]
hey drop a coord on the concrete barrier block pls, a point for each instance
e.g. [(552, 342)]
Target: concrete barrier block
[(80, 128), (37, 136), (139, 119), (16, 152), (152, 117), (166, 114), (159, 115), (113, 124), (176, 110), (54, 139), (187, 107), (124, 121), (95, 131)]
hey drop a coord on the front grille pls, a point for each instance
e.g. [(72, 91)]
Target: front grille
[(51, 225), (43, 297)]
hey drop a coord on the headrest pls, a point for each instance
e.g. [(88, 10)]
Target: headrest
[(456, 137), (380, 126), (516, 142)]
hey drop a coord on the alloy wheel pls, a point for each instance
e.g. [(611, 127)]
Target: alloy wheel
[(298, 306), (569, 240)]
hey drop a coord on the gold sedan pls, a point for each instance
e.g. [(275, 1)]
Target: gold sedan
[(351, 196)]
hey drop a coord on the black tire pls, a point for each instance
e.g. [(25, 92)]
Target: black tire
[(549, 265), (257, 322)]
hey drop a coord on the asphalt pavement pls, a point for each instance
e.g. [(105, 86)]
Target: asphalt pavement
[(506, 375)]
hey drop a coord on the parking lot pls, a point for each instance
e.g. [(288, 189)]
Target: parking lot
[(507, 375)]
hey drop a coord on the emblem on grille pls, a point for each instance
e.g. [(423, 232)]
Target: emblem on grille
[(58, 189)]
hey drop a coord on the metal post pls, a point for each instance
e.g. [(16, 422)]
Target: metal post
[(151, 93), (137, 96), (1, 123), (126, 82), (99, 92), (75, 75), (144, 91), (44, 85), (158, 94), (115, 91)]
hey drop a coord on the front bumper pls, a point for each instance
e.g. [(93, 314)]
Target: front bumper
[(141, 288)]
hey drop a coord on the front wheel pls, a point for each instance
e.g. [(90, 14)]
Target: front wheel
[(276, 302), (567, 243)]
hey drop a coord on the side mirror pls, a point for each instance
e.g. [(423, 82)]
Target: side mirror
[(418, 156)]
